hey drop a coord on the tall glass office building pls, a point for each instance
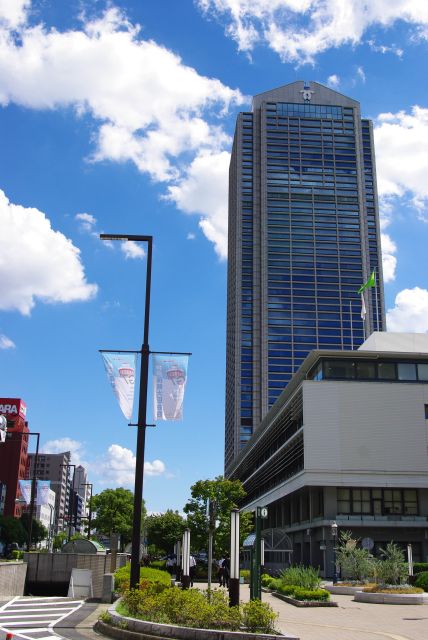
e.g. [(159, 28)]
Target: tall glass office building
[(303, 236)]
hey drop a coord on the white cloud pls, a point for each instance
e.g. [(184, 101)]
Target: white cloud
[(190, 236), (6, 343), (381, 48), (52, 270), (410, 312), (13, 13), (87, 221), (361, 74), (60, 445), (389, 261), (148, 106), (204, 190), (401, 141), (299, 30), (132, 249), (118, 467), (333, 81)]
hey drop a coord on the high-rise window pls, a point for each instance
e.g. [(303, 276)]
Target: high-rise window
[(303, 237)]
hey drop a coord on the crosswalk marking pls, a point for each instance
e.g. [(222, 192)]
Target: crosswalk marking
[(30, 617)]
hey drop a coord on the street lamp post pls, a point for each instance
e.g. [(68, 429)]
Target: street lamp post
[(334, 536), (142, 410), (234, 558), (89, 484)]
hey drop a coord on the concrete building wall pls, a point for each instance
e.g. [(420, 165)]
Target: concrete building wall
[(366, 427), (55, 568), (12, 578)]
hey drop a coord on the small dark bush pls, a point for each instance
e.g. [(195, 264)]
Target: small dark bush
[(419, 567), (422, 580), (319, 595)]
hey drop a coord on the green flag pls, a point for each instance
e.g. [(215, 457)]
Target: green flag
[(371, 282)]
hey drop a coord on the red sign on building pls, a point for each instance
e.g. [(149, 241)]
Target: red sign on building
[(13, 452)]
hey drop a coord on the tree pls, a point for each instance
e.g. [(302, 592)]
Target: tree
[(12, 530), (355, 562), (226, 495), (38, 531), (114, 510), (164, 529), (59, 540)]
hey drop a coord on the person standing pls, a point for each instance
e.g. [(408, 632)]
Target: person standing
[(192, 569), (226, 571), (220, 572)]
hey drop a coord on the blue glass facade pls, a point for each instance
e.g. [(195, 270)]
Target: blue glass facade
[(303, 237)]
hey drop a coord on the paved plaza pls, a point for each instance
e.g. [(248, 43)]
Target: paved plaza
[(350, 620)]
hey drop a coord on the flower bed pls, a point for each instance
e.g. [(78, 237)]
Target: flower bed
[(120, 626)]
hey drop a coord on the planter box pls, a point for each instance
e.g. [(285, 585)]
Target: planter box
[(303, 603), (153, 630), (391, 598), (342, 590)]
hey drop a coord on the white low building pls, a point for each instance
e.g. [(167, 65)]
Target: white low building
[(346, 442), (46, 515)]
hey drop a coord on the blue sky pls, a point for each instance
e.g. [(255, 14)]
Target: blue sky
[(118, 118)]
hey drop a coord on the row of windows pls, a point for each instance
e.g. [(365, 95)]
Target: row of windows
[(370, 370), (377, 501)]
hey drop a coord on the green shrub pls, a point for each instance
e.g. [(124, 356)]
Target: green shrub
[(245, 573), (158, 564), (190, 608), (319, 595), (355, 562), (392, 589), (301, 576), (422, 580), (122, 577), (197, 609), (258, 616), (419, 567), (17, 555), (392, 568), (106, 617), (287, 589), (275, 583), (266, 580)]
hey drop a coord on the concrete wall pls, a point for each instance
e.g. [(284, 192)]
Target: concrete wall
[(51, 568), (373, 428), (12, 578)]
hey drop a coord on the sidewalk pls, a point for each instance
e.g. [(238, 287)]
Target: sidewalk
[(349, 621)]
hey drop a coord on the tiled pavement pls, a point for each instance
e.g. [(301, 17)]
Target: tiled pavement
[(350, 620)]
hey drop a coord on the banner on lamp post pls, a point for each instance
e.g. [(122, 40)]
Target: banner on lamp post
[(43, 488), (25, 487), (120, 368), (169, 383)]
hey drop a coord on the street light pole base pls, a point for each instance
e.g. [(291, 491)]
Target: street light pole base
[(233, 592), (185, 582)]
